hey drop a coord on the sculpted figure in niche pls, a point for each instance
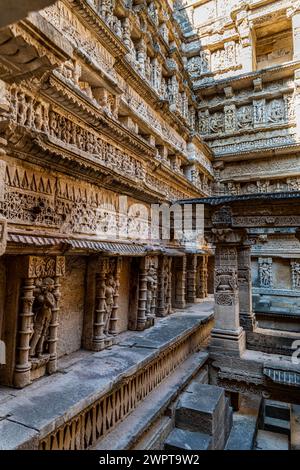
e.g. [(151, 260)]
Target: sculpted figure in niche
[(110, 289), (245, 116), (44, 303), (217, 123), (276, 112), (204, 61), (265, 274)]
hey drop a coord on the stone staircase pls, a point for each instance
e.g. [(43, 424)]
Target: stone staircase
[(280, 427), (277, 417), (203, 419)]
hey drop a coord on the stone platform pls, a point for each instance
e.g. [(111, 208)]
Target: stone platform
[(88, 398)]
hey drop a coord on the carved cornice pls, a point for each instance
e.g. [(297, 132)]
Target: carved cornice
[(82, 107), (95, 23), (149, 184), (244, 80)]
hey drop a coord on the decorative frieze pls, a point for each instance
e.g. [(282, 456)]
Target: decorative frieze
[(258, 114)]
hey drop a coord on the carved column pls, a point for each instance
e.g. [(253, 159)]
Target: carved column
[(161, 288), (142, 300), (99, 322), (247, 318), (191, 276), (114, 315), (23, 365), (202, 283), (164, 288), (227, 335), (179, 282)]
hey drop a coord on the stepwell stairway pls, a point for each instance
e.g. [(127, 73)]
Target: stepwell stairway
[(279, 426)]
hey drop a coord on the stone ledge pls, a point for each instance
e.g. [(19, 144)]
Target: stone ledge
[(130, 430), (55, 400)]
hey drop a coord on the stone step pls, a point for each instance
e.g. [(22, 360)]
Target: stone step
[(245, 424), (278, 410), (135, 427), (181, 439), (202, 408), (295, 427), (267, 440), (156, 436), (277, 425), (243, 432)]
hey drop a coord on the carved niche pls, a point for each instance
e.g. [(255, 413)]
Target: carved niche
[(38, 319), (295, 265), (106, 303), (265, 272)]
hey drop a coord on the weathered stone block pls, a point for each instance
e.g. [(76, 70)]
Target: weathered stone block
[(201, 408), (180, 439)]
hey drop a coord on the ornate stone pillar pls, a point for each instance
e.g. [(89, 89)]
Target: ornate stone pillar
[(101, 302), (202, 283), (247, 318), (160, 312), (148, 284), (164, 287), (114, 315), (142, 300), (98, 342), (179, 281), (23, 365), (54, 323), (227, 336), (191, 276)]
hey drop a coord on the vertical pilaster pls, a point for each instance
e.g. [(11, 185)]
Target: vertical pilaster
[(160, 312), (98, 342), (23, 365), (227, 335), (247, 318), (142, 301), (179, 282), (202, 275), (191, 275), (52, 364), (114, 314)]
